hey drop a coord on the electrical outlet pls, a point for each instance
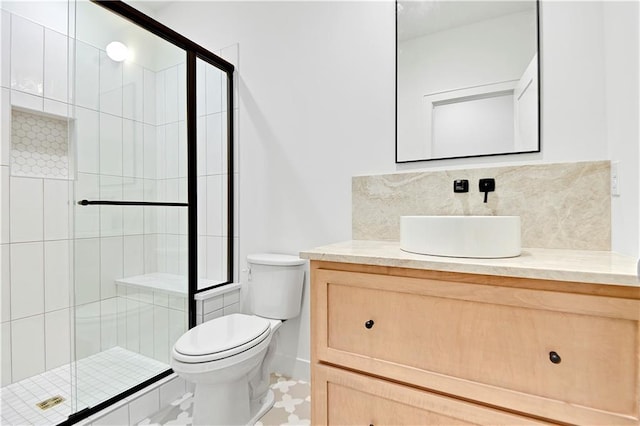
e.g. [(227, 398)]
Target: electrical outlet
[(615, 179)]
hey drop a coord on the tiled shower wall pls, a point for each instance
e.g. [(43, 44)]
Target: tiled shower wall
[(130, 138), (36, 231), (564, 205)]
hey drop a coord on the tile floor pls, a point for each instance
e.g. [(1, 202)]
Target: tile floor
[(292, 406), (98, 377)]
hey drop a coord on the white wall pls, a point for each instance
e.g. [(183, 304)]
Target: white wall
[(317, 106), (623, 135)]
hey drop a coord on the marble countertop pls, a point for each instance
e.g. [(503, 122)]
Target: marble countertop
[(599, 267)]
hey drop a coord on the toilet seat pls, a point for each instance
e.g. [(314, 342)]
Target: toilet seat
[(221, 338)]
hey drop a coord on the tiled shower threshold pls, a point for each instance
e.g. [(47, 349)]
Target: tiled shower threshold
[(97, 377)]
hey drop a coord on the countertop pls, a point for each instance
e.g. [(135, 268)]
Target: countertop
[(598, 267)]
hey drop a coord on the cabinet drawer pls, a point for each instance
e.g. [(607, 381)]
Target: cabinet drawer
[(344, 398), (487, 343)]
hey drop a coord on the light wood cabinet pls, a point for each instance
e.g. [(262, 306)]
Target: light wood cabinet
[(537, 350)]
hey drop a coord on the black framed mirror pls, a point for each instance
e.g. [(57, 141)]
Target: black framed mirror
[(467, 79)]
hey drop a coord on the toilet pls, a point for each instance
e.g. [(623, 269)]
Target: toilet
[(228, 358)]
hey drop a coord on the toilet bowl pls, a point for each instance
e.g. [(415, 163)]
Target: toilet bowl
[(228, 358)]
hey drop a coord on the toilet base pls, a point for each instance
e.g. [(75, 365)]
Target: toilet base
[(269, 400)]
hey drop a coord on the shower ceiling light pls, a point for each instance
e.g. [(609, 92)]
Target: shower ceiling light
[(117, 51)]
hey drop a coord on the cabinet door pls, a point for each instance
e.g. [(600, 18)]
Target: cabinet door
[(556, 355), (345, 398)]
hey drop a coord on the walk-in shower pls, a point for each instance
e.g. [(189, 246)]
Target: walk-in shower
[(117, 201)]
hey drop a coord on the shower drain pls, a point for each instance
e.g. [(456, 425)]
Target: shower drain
[(51, 402)]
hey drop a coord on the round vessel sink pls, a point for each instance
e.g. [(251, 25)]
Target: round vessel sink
[(461, 236)]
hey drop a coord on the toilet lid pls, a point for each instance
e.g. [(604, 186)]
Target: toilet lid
[(222, 335)]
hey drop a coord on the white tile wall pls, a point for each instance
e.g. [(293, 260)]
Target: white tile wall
[(5, 258), (111, 265), (182, 91), (146, 324), (149, 107), (27, 101), (57, 338), (87, 127), (214, 144), (171, 151), (87, 270), (5, 373), (108, 323), (110, 144), (150, 253), (133, 255), (144, 406), (5, 49), (61, 109), (213, 94), (117, 417), (55, 69), (218, 302), (132, 148), (214, 210), (160, 150), (88, 66), (160, 333), (214, 258), (27, 70), (87, 327), (27, 279), (57, 289), (149, 151), (132, 317), (5, 226), (171, 95), (171, 390), (56, 209), (132, 91), (87, 219), (201, 146), (5, 126), (27, 347), (160, 98), (26, 209), (110, 85), (111, 217), (182, 149)]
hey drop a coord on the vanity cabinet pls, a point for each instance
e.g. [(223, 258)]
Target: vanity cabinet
[(407, 346)]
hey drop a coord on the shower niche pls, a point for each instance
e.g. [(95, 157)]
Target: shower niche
[(39, 145)]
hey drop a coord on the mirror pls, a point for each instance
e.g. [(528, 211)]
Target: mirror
[(467, 79)]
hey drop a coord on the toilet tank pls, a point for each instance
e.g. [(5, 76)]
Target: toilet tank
[(275, 285)]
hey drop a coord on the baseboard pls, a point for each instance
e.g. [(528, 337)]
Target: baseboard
[(296, 368)]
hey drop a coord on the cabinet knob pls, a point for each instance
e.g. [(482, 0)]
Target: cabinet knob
[(369, 324), (554, 357)]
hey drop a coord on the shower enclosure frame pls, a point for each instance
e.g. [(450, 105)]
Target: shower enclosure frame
[(193, 52)]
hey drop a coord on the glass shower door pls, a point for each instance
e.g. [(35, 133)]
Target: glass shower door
[(130, 224)]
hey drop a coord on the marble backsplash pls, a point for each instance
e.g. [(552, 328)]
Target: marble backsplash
[(565, 205)]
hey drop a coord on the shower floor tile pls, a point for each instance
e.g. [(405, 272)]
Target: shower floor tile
[(292, 406), (97, 378)]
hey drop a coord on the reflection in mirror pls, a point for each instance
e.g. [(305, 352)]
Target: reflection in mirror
[(467, 79)]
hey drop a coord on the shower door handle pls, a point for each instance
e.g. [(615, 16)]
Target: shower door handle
[(129, 203)]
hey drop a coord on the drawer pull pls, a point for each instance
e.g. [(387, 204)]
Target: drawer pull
[(554, 357), (369, 324)]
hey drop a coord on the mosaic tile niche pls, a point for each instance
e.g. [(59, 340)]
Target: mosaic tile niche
[(39, 145)]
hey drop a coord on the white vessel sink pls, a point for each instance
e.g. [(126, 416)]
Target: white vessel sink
[(461, 236)]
